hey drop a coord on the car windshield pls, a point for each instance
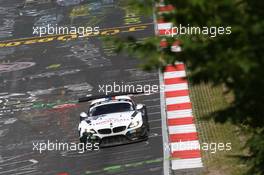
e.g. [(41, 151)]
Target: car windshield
[(111, 108)]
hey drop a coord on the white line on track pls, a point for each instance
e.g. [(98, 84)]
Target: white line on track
[(157, 120), (153, 113), (154, 106), (140, 81)]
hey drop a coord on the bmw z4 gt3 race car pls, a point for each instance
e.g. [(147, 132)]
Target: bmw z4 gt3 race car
[(113, 121)]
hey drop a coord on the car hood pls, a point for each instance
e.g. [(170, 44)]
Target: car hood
[(112, 120)]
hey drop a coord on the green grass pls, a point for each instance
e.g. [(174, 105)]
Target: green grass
[(207, 99)]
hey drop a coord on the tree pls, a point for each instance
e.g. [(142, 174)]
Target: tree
[(235, 59)]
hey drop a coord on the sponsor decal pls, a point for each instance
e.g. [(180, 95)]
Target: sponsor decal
[(112, 120)]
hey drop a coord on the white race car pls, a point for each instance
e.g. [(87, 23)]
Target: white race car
[(113, 121)]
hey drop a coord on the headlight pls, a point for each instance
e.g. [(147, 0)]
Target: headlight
[(90, 131), (133, 124)]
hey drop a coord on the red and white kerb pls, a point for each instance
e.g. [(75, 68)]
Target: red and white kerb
[(183, 136)]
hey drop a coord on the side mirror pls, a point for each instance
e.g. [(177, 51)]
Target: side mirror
[(83, 115), (139, 106)]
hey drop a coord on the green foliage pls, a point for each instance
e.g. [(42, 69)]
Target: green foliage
[(235, 60), (256, 148)]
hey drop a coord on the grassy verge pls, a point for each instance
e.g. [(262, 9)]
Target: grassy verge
[(207, 99)]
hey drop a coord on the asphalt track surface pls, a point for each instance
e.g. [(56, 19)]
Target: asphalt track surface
[(40, 83)]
